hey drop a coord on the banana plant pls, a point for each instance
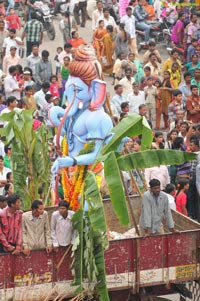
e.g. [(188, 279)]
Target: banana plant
[(30, 160), (90, 223)]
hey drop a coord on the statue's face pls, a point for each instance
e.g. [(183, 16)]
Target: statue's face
[(75, 87)]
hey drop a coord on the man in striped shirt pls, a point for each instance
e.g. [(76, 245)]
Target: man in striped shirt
[(33, 30), (10, 226)]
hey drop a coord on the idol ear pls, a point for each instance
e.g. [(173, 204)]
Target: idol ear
[(98, 88)]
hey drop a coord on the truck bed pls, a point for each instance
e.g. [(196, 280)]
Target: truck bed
[(131, 264)]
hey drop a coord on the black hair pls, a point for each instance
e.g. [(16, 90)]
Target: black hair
[(193, 87), (67, 45), (10, 100), (154, 182), (8, 175), (12, 199), (12, 69), (195, 141), (7, 186), (28, 88), (45, 85), (186, 74), (177, 92), (124, 104), (63, 204), (2, 199), (178, 142), (53, 76), (169, 188), (180, 185), (109, 28), (6, 148), (45, 53), (117, 86), (36, 204)]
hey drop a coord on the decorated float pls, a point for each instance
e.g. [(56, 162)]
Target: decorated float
[(90, 146)]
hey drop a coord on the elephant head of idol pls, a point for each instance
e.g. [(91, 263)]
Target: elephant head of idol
[(84, 89)]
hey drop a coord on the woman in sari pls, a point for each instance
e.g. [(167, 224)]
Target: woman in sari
[(97, 39), (136, 67), (122, 41), (108, 50)]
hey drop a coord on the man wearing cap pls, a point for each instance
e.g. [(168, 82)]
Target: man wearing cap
[(11, 40), (11, 59), (155, 207)]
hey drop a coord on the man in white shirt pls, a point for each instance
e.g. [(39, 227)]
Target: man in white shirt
[(11, 85), (129, 21), (11, 59), (97, 14), (12, 40), (40, 100), (158, 172), (33, 58), (62, 232), (108, 20), (117, 99), (127, 81), (135, 98)]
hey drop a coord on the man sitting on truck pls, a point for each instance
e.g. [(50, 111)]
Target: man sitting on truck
[(155, 207)]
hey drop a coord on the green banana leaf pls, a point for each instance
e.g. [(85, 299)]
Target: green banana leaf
[(152, 158), (96, 211), (77, 250), (132, 125), (101, 287), (115, 185)]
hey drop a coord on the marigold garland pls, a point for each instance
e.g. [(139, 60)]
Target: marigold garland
[(72, 186)]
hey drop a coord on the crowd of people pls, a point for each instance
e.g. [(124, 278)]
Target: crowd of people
[(166, 92)]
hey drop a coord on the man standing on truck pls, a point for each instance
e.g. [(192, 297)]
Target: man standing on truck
[(62, 232), (155, 207)]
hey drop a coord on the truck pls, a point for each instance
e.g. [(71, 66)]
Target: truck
[(137, 268)]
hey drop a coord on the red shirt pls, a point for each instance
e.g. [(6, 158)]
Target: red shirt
[(181, 200), (13, 21), (193, 103), (54, 90), (11, 228)]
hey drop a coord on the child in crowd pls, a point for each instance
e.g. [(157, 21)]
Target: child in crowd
[(176, 105), (181, 197), (125, 107), (8, 189), (58, 51), (54, 86), (175, 76), (166, 96), (13, 20), (150, 95), (170, 190), (158, 103), (28, 101), (64, 72)]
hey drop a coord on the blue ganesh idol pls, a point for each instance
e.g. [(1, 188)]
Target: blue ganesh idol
[(84, 119)]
